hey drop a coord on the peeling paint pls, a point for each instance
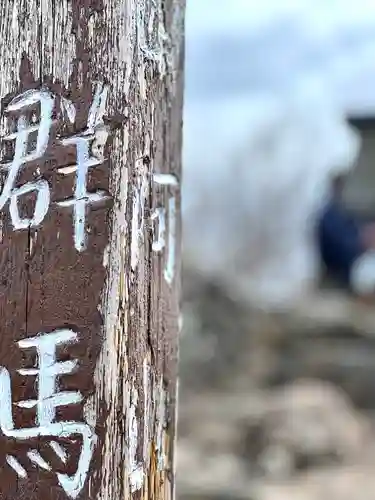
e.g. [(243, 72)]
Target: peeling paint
[(161, 425), (158, 47), (171, 259), (89, 413), (106, 256), (138, 222), (136, 474), (138, 219), (147, 404)]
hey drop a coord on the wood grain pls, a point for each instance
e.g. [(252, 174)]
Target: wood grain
[(114, 293)]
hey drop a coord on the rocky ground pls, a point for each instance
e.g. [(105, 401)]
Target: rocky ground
[(279, 406)]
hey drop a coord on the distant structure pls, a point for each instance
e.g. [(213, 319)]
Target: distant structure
[(360, 192)]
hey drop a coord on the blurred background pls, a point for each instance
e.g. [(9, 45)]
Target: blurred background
[(277, 355)]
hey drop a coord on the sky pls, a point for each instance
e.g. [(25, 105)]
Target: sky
[(246, 59), (268, 86), (270, 46)]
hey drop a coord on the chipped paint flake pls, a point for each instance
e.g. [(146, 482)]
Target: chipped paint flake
[(136, 474), (138, 219), (161, 422), (89, 413), (171, 259), (106, 256)]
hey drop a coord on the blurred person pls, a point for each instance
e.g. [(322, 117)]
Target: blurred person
[(347, 243)]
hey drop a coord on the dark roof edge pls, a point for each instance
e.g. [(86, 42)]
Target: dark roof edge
[(362, 122)]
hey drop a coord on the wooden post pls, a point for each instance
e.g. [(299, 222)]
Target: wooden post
[(90, 255)]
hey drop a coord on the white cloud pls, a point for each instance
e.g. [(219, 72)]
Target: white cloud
[(269, 45)]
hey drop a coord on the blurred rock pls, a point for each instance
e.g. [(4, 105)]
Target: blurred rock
[(275, 406), (333, 483), (305, 424), (332, 338), (226, 345), (243, 448)]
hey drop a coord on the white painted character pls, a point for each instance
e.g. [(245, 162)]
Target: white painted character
[(159, 215), (89, 146), (20, 104), (48, 399), (93, 138)]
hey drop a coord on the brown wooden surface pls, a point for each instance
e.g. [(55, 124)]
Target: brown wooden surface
[(113, 293)]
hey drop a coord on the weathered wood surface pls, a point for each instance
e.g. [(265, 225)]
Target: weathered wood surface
[(93, 279)]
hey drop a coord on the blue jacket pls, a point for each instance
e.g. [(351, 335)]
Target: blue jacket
[(339, 240)]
